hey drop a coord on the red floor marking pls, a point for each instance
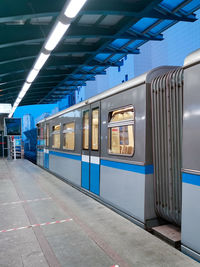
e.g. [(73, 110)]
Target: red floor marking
[(114, 266), (35, 225), (91, 234), (24, 201)]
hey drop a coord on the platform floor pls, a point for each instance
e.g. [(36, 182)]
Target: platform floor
[(91, 235)]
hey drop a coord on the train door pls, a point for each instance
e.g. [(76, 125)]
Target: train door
[(90, 172), (46, 149)]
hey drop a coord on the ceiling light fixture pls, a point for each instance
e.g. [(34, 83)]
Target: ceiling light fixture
[(41, 61), (32, 75), (74, 7), (53, 39), (56, 35)]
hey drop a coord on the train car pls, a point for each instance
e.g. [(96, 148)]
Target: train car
[(104, 146), (135, 147)]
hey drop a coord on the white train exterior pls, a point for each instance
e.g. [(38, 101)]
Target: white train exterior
[(135, 147)]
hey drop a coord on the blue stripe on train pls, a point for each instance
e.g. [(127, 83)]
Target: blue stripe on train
[(95, 178), (148, 169), (85, 175), (189, 178), (46, 160), (65, 155)]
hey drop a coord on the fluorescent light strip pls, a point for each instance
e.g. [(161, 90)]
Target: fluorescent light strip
[(32, 75), (41, 61), (56, 35), (74, 7), (24, 90)]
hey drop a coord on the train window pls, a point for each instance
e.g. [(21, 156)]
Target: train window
[(56, 136), (86, 130), (47, 135), (122, 114), (95, 129), (121, 131), (69, 136)]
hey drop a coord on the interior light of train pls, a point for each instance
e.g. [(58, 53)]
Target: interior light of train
[(74, 7)]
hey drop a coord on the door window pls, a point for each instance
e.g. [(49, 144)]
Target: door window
[(86, 130), (56, 136), (69, 136), (95, 129)]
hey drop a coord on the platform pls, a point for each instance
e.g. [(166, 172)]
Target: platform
[(46, 222)]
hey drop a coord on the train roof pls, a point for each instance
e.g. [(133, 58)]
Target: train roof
[(192, 58), (142, 79)]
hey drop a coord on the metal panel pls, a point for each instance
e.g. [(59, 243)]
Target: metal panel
[(66, 168), (130, 192), (191, 217), (124, 190), (167, 101), (191, 118), (191, 159)]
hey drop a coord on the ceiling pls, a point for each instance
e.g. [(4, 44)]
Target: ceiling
[(99, 37)]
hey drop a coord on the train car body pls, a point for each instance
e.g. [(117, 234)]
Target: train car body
[(104, 146), (136, 148)]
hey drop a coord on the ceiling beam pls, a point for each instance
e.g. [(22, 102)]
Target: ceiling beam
[(19, 35), (10, 8), (113, 7), (25, 17), (21, 53), (22, 73), (53, 63)]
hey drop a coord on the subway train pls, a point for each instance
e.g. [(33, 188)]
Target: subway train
[(136, 148)]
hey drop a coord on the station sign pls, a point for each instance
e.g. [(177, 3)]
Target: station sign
[(12, 126)]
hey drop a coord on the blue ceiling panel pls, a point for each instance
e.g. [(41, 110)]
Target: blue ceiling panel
[(135, 44), (118, 43), (171, 4), (192, 6), (143, 24), (102, 57), (116, 57), (161, 26)]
